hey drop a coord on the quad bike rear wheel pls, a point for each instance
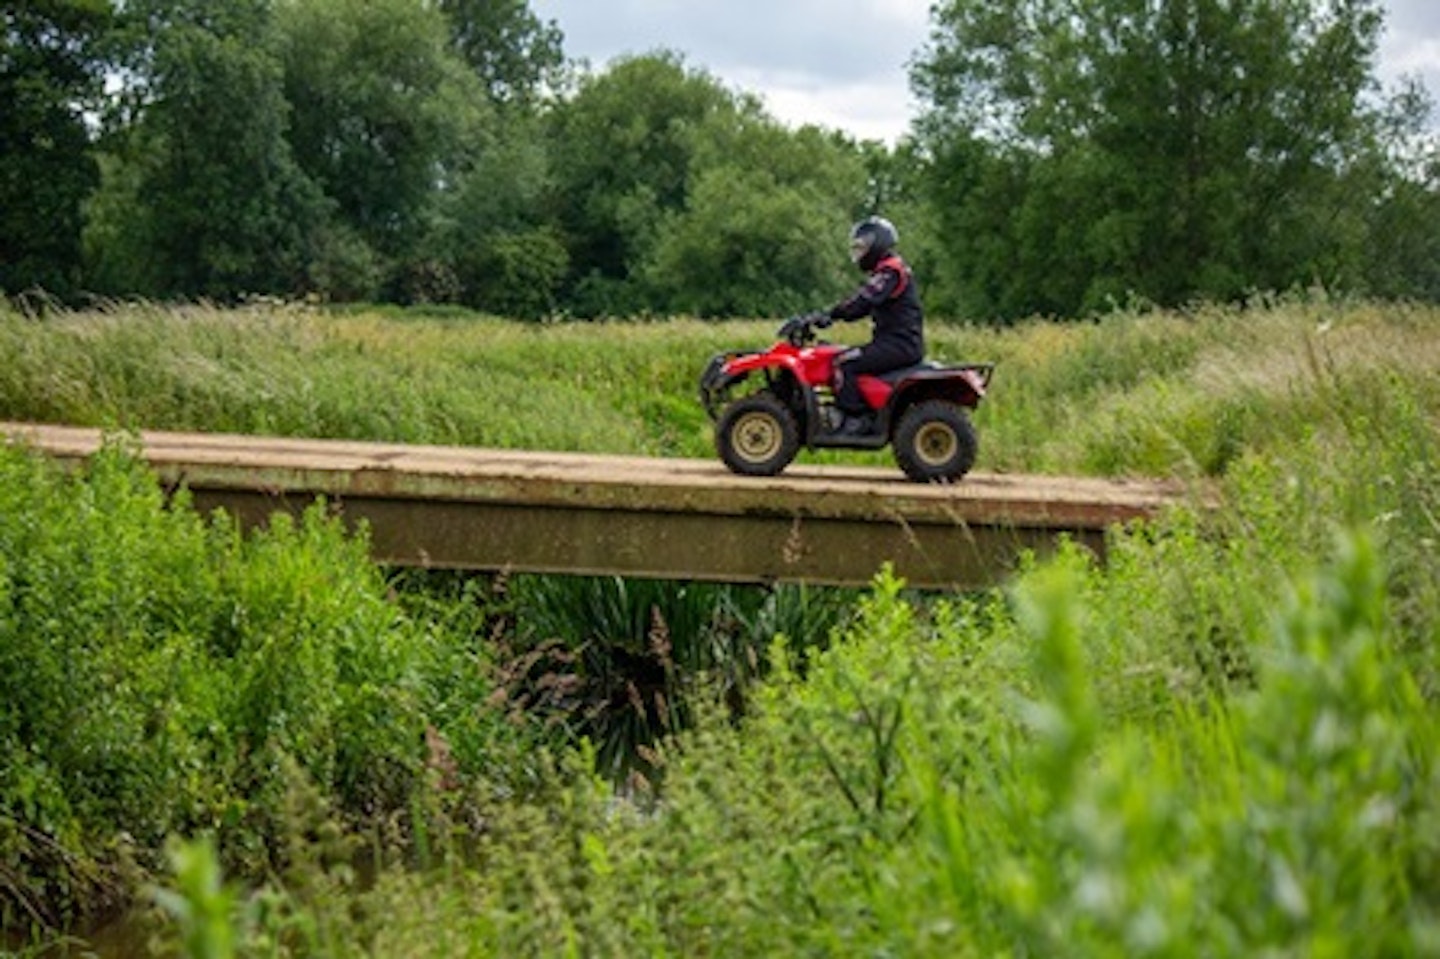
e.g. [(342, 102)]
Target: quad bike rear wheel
[(757, 436), (935, 442)]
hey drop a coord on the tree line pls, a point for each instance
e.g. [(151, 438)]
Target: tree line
[(1068, 157)]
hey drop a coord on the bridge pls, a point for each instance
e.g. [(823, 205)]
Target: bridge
[(484, 509)]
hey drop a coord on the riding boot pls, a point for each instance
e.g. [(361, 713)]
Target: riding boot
[(856, 424)]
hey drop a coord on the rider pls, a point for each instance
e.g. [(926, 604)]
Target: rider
[(888, 296)]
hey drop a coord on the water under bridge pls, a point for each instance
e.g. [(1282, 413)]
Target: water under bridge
[(484, 509)]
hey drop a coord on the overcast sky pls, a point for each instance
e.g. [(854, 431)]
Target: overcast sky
[(844, 63)]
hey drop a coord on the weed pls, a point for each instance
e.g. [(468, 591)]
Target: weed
[(1222, 741)]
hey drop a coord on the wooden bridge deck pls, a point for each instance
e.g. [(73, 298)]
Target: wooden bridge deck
[(460, 507)]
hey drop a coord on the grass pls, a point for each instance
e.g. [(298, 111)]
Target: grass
[(1224, 741), (1134, 393)]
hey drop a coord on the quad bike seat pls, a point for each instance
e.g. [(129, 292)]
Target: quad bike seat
[(895, 376)]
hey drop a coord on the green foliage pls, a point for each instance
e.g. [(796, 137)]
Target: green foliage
[(624, 663), (976, 779), (200, 904), (749, 244), (1069, 161), (51, 69), (514, 53), (1085, 155), (203, 196), (622, 153), (426, 154), (1220, 740), (381, 107), (1404, 250), (156, 669), (678, 196), (494, 232)]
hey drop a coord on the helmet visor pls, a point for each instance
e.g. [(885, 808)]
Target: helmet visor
[(859, 246)]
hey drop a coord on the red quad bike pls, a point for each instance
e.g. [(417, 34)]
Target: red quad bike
[(766, 404)]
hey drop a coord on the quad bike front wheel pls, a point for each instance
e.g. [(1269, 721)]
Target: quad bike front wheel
[(935, 442), (757, 436)]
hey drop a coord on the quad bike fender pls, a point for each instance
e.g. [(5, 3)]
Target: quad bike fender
[(749, 363), (965, 385), (726, 369), (977, 376), (713, 383), (960, 384)]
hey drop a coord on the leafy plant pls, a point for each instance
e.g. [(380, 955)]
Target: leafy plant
[(1219, 740), (623, 662), (158, 668)]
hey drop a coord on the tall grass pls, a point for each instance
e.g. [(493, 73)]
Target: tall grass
[(1134, 393), (616, 387), (1223, 741), (156, 669)]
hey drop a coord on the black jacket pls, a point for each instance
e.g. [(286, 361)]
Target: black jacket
[(889, 295)]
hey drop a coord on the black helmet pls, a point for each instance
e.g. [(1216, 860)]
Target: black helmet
[(872, 240)]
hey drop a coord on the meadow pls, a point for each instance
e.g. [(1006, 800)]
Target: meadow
[(1223, 741)]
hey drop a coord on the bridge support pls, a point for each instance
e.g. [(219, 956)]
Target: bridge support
[(668, 545)]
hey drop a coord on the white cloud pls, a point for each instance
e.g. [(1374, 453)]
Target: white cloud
[(1417, 56), (845, 63), (1410, 47), (866, 111), (836, 63)]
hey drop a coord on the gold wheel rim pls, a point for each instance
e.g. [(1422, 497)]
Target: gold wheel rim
[(935, 444), (757, 436)]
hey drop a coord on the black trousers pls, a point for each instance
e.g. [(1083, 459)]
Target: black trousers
[(876, 357)]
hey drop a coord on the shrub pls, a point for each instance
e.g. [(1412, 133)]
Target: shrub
[(157, 668)]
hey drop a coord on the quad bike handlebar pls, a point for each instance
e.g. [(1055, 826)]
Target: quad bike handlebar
[(799, 330)]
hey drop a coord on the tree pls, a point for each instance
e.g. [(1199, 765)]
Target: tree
[(513, 52), (51, 71), (621, 149), (202, 196), (1160, 148), (1403, 229), (385, 116), (764, 225), (679, 195), (495, 230)]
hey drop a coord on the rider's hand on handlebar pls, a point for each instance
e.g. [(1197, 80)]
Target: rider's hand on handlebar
[(794, 330), (819, 320)]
